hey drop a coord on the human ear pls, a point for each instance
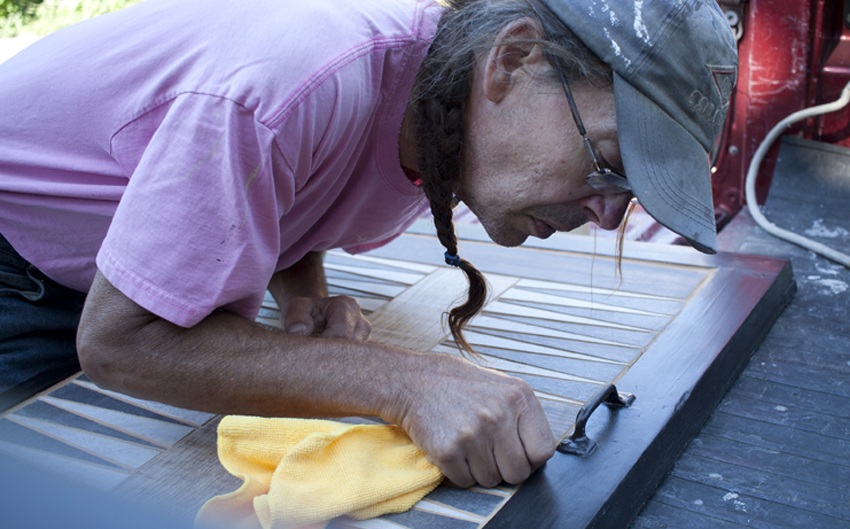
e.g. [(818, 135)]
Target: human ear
[(511, 58)]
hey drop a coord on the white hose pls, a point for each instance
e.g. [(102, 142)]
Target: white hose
[(750, 186)]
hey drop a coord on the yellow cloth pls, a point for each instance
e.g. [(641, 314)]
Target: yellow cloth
[(301, 472)]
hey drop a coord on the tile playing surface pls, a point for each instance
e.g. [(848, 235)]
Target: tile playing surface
[(565, 339)]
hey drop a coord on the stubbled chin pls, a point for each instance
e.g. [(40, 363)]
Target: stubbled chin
[(499, 229), (505, 238)]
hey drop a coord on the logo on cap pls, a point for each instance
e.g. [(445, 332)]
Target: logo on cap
[(706, 106), (724, 80)]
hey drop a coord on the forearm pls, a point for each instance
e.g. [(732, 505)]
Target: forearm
[(475, 424), (226, 364)]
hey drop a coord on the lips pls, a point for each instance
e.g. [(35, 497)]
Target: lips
[(542, 230)]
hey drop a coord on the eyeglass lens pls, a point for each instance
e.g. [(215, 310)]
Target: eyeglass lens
[(602, 179)]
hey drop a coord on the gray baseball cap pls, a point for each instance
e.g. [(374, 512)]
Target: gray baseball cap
[(675, 65)]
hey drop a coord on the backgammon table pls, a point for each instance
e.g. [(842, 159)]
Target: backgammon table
[(673, 328)]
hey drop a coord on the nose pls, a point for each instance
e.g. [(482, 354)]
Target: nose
[(606, 211)]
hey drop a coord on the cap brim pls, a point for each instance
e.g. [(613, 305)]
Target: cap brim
[(667, 168)]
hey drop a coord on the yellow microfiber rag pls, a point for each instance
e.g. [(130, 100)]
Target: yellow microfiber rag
[(305, 472)]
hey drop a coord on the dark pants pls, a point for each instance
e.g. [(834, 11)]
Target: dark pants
[(38, 328)]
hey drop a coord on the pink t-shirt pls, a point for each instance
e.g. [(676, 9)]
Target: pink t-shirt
[(195, 147)]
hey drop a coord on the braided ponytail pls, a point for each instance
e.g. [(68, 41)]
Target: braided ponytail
[(439, 145)]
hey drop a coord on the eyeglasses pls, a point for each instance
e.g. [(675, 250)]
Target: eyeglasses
[(603, 179)]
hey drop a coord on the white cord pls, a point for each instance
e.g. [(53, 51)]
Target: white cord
[(774, 133)]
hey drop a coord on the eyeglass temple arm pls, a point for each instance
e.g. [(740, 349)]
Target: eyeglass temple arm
[(577, 119)]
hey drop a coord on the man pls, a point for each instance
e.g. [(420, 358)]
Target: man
[(176, 159)]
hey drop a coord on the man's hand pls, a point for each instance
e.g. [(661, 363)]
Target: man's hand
[(306, 310), (334, 317), (477, 425)]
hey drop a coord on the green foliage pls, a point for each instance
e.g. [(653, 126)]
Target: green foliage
[(40, 17), (20, 7)]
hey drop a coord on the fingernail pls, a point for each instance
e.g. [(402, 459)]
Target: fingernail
[(298, 328)]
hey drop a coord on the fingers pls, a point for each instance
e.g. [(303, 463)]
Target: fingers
[(298, 318), (523, 441), (500, 456), (484, 468), (455, 468), (468, 460), (522, 445), (490, 458), (513, 462), (335, 317), (344, 320), (481, 427), (536, 435)]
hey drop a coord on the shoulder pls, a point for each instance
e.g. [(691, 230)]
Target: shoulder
[(340, 51)]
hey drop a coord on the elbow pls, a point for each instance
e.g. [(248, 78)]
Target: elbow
[(99, 357), (109, 337)]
